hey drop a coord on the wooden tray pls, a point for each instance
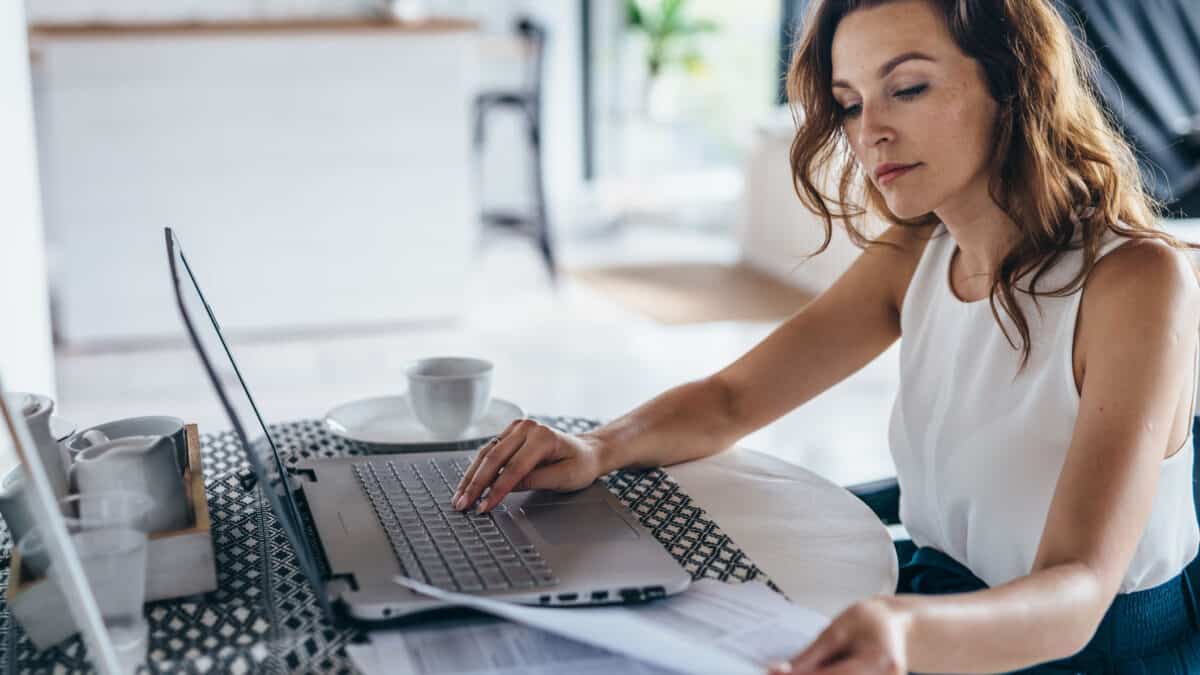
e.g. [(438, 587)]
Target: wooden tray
[(178, 563)]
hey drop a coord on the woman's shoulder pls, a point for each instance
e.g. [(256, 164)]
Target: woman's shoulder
[(1142, 267), (1143, 280)]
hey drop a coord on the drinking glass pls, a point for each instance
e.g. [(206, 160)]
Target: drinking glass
[(108, 530)]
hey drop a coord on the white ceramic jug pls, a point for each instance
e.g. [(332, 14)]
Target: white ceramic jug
[(142, 464), (36, 410)]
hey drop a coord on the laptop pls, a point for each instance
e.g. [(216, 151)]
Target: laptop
[(356, 523)]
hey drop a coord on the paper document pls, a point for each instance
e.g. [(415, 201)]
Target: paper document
[(491, 646), (713, 627)]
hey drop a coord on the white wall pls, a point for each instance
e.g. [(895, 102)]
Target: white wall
[(26, 352)]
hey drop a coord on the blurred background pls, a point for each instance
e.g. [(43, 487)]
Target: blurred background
[(594, 194)]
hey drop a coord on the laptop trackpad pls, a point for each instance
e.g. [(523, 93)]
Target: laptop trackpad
[(581, 522)]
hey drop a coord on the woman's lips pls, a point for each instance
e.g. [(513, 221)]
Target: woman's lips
[(888, 177)]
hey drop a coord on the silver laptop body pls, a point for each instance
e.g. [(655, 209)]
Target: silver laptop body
[(382, 515)]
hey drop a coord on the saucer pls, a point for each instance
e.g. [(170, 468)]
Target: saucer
[(388, 421)]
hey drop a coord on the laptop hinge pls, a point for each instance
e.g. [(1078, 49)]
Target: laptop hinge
[(248, 479), (339, 584), (310, 474)]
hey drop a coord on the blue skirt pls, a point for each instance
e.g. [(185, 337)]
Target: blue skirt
[(1150, 632)]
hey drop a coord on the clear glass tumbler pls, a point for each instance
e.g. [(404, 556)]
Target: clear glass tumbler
[(109, 533)]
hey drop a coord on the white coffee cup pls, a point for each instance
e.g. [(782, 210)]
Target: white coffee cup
[(448, 394)]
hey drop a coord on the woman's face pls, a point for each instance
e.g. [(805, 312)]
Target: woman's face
[(912, 99)]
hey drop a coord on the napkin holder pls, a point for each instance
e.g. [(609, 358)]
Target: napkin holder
[(179, 563)]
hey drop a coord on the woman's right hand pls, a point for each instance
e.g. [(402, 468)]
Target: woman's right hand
[(527, 456)]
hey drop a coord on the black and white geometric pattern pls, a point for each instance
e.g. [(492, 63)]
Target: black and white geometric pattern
[(264, 616)]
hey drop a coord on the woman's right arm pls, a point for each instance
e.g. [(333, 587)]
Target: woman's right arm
[(836, 334)]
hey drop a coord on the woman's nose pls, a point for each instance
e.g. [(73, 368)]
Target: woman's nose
[(873, 128)]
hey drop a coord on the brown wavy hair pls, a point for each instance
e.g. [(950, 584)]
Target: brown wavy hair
[(1059, 167)]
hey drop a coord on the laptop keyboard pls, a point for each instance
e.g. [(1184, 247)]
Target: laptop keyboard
[(452, 550)]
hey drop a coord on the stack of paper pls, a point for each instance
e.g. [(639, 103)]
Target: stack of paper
[(713, 627)]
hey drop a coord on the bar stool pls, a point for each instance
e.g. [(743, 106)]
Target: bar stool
[(527, 102)]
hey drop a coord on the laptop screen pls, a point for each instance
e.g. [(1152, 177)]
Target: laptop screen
[(262, 452)]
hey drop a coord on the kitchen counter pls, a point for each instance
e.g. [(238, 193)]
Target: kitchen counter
[(316, 170), (130, 29)]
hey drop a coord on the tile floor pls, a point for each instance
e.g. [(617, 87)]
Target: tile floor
[(565, 351)]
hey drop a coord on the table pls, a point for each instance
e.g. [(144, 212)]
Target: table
[(820, 544), (264, 615)]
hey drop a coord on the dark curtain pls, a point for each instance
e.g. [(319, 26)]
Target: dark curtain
[(1149, 51), (790, 13)]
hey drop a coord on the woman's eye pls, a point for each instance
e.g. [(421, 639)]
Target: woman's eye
[(912, 92), (855, 109)]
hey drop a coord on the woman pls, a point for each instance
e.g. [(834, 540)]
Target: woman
[(1042, 428)]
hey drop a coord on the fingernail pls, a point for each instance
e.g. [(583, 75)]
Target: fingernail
[(458, 501), (480, 509), (780, 668)]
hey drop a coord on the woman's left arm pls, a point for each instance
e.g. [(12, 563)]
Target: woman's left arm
[(1138, 329)]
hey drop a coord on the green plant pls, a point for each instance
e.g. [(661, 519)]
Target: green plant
[(670, 34)]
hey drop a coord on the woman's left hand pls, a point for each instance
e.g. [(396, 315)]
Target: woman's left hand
[(869, 637)]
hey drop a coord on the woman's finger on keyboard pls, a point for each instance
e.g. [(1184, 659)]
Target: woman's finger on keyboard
[(540, 444), (474, 466), (488, 463)]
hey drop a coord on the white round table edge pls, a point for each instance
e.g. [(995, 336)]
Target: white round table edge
[(821, 545)]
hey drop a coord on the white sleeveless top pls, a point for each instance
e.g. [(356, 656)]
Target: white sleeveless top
[(979, 448)]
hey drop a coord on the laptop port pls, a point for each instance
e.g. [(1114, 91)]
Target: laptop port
[(545, 600), (567, 597), (631, 594), (599, 596), (654, 592)]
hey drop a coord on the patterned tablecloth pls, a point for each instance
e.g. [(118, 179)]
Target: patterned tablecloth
[(264, 615)]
